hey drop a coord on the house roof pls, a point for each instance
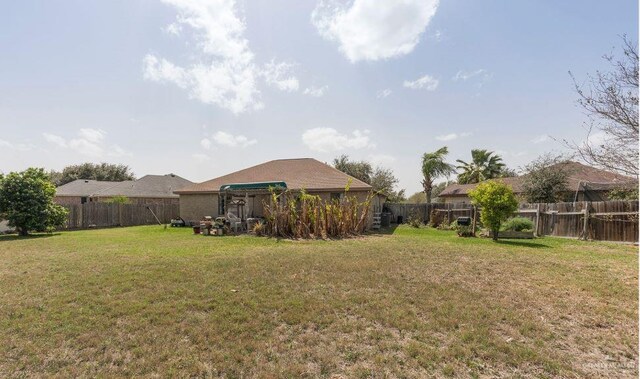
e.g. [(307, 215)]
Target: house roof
[(156, 186), (300, 173), (579, 177), (84, 187)]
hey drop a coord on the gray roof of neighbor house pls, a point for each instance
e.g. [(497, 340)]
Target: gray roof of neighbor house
[(153, 186), (579, 177), (83, 187), (300, 173)]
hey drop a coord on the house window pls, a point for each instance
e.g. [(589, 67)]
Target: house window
[(336, 196), (83, 200)]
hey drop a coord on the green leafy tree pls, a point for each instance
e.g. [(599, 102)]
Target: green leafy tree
[(434, 167), (92, 171), (545, 180), (381, 179), (484, 165), (497, 201), (26, 201), (623, 194), (358, 169), (118, 199), (417, 198)]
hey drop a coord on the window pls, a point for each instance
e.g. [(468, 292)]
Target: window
[(336, 196), (83, 200)]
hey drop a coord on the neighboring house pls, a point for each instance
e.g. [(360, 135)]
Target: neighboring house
[(585, 183), (251, 186), (150, 189)]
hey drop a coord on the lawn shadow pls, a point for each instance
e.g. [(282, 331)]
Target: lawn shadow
[(531, 244), (387, 230), (16, 237)]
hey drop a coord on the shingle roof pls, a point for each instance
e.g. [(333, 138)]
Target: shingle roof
[(301, 173), (84, 187), (156, 186), (578, 175)]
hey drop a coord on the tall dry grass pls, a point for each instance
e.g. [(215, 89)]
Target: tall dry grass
[(302, 215)]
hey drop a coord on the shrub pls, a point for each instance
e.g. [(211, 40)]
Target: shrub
[(291, 215), (518, 224), (497, 201), (414, 220), (465, 230), (26, 201), (118, 199), (258, 229)]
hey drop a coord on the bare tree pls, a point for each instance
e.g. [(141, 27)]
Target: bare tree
[(610, 100)]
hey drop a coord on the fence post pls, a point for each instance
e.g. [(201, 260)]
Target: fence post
[(473, 226), (538, 221), (585, 224)]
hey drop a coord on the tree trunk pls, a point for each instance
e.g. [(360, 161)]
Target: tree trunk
[(495, 234), (428, 187), (23, 231)]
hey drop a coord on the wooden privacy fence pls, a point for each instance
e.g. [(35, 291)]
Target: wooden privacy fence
[(101, 215), (603, 220)]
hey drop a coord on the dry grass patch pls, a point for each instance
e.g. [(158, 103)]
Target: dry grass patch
[(416, 303)]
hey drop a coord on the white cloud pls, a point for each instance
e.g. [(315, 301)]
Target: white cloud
[(453, 136), (54, 139), (205, 143), (225, 73), (279, 75), (383, 93), (173, 28), (316, 91), (329, 139), (427, 82), (479, 77), (16, 146), (540, 139), (92, 135), (228, 139), (381, 159), (201, 157), (374, 30), (117, 151), (89, 142)]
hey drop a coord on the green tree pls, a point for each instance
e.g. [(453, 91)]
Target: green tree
[(118, 199), (545, 180), (433, 167), (92, 171), (381, 179), (358, 169), (26, 201), (484, 165), (497, 201), (417, 198)]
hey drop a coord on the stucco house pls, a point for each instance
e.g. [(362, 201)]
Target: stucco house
[(251, 187), (585, 183), (150, 189)]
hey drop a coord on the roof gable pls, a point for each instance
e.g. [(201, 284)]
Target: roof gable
[(301, 173), (147, 186), (84, 187)]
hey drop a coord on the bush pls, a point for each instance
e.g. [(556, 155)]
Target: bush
[(414, 220), (497, 201), (258, 229), (465, 230), (26, 201), (518, 224)]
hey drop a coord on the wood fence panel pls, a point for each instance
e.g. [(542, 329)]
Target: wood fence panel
[(605, 220), (102, 215)]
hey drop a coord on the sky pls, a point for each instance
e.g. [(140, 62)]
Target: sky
[(201, 88)]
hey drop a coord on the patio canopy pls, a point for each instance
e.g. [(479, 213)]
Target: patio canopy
[(253, 186)]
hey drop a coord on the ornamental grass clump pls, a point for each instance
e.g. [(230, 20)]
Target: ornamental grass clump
[(306, 216)]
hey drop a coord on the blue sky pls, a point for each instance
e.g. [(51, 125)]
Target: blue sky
[(202, 88)]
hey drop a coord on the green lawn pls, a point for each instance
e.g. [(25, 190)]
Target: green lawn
[(144, 301)]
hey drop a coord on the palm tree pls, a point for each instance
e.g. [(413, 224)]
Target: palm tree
[(434, 166), (484, 165)]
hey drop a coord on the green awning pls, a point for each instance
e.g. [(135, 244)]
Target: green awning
[(253, 186)]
